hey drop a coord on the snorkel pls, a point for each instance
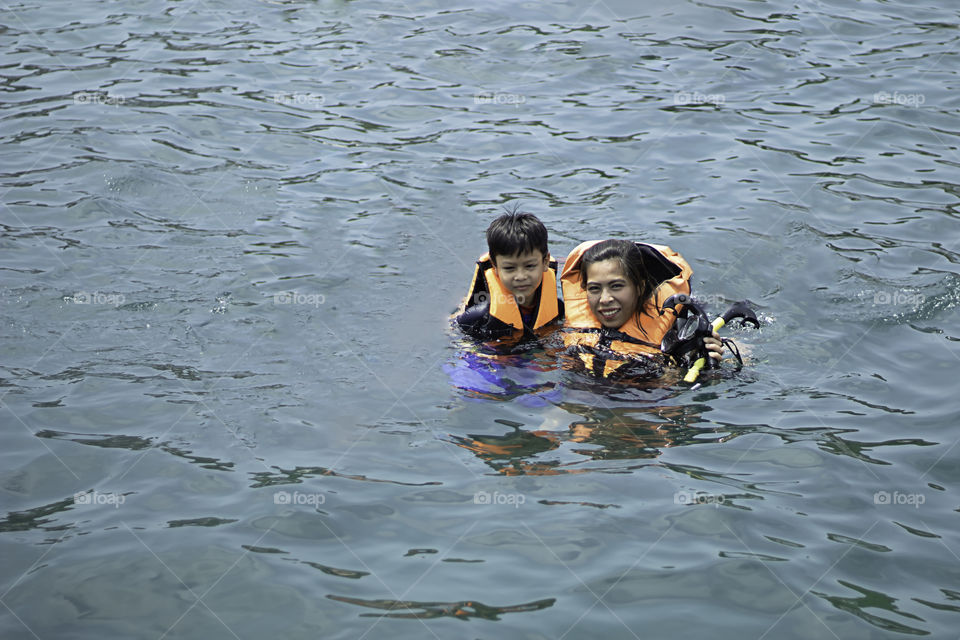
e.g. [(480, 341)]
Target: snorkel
[(686, 344)]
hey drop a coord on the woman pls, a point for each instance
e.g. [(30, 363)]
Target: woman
[(613, 291)]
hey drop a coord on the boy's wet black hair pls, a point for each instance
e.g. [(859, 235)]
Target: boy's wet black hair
[(514, 233)]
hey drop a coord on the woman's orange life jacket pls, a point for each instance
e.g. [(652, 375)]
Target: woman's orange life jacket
[(605, 351), (505, 318)]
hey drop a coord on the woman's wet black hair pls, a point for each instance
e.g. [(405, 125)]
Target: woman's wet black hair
[(630, 257), (514, 233)]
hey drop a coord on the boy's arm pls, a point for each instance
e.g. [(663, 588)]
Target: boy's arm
[(474, 319)]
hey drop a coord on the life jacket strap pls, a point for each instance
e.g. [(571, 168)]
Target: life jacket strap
[(609, 335)]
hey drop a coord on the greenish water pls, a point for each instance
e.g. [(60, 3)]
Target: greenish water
[(232, 234)]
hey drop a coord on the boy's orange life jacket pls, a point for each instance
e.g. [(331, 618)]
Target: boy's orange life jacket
[(603, 350), (486, 286)]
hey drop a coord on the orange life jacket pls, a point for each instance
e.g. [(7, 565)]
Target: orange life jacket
[(486, 286), (605, 351)]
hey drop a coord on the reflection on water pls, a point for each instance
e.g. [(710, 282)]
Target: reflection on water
[(37, 518), (495, 376), (627, 420), (298, 475), (602, 434), (461, 610), (100, 440), (135, 443), (870, 599)]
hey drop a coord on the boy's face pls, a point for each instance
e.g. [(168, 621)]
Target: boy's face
[(521, 274)]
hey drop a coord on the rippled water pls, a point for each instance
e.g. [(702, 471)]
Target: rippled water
[(231, 237)]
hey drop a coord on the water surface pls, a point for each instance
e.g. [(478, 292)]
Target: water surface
[(231, 237)]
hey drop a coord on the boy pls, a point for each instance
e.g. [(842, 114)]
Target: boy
[(514, 288)]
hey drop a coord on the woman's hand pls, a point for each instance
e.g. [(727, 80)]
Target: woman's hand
[(714, 346)]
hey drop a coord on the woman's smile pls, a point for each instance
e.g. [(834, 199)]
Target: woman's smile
[(612, 297)]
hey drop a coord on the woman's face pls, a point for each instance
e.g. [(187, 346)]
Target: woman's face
[(612, 297)]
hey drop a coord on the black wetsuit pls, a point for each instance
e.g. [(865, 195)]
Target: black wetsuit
[(477, 322)]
